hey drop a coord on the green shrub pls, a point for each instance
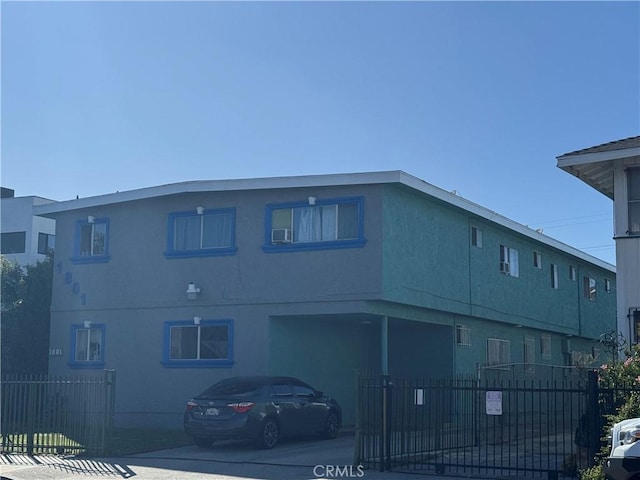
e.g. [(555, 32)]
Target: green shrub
[(621, 374)]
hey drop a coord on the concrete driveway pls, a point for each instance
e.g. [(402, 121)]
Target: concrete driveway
[(303, 459)]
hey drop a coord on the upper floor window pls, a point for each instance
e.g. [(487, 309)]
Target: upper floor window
[(607, 285), (315, 224), (573, 275), (208, 343), (633, 198), (554, 276), (87, 346), (46, 242), (92, 241), (537, 259), (13, 242), (211, 232), (476, 237), (509, 261), (589, 288)]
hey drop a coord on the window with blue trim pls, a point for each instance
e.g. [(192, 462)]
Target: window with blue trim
[(91, 241), (201, 234), (331, 223), (206, 344), (87, 346)]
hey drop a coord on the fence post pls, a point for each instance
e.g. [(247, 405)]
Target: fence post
[(593, 416), (385, 458), (109, 406), (31, 416), (358, 433)]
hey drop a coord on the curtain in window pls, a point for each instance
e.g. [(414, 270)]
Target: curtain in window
[(314, 223), (187, 233), (514, 269), (82, 342), (85, 239), (184, 343)]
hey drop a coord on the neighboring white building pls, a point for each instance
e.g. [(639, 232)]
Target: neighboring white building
[(614, 170), (25, 237)]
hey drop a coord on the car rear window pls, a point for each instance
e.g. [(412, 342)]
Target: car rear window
[(231, 388)]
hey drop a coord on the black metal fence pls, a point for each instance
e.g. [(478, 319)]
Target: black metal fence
[(57, 414), (479, 426)]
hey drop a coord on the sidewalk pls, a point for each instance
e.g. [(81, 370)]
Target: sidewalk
[(299, 460)]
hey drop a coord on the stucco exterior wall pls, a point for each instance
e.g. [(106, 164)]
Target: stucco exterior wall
[(316, 314)]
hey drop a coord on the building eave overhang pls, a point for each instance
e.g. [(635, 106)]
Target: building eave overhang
[(315, 181), (596, 168)]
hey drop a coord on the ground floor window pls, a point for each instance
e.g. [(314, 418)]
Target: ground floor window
[(463, 335), (529, 355), (87, 346), (545, 346), (198, 342), (498, 352)]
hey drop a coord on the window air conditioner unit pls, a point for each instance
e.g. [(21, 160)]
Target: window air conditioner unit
[(280, 235), (504, 267)]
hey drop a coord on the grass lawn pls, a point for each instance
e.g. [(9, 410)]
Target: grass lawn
[(127, 441)]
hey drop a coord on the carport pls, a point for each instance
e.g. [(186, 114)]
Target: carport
[(328, 351)]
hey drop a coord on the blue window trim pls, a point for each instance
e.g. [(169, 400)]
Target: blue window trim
[(168, 362), (73, 363), (82, 259), (357, 242), (202, 252)]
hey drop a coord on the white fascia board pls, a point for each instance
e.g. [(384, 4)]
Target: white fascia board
[(494, 217), (220, 186), (328, 180), (581, 159)]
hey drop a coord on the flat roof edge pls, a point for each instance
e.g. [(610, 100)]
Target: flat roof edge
[(338, 179)]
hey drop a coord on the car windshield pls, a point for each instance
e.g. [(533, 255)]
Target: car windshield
[(231, 388)]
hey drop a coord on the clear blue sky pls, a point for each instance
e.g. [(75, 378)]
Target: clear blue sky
[(478, 97)]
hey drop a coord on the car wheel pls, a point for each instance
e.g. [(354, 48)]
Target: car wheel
[(203, 442), (269, 434), (331, 425)]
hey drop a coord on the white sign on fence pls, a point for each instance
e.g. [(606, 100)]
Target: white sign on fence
[(494, 403)]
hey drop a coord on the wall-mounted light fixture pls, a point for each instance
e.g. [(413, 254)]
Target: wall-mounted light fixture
[(91, 219), (196, 320), (87, 324), (312, 200), (192, 291), (200, 209)]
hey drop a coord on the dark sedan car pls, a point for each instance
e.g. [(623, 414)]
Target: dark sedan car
[(260, 408)]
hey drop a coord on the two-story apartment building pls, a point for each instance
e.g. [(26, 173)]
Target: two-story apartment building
[(614, 169), (178, 286), (25, 238)]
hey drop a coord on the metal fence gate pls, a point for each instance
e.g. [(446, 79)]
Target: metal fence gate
[(492, 427), (57, 414)]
